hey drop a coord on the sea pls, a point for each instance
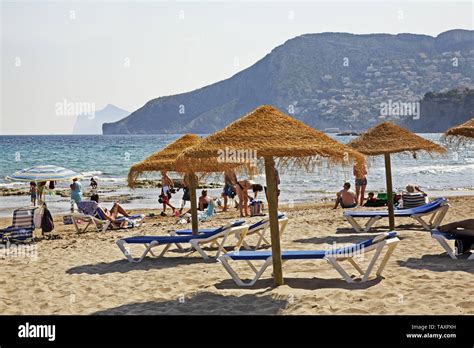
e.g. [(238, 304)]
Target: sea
[(108, 158)]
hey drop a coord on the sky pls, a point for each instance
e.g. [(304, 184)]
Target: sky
[(59, 57)]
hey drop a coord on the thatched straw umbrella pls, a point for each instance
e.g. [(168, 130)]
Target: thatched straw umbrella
[(268, 133), (465, 130), (165, 160), (387, 138)]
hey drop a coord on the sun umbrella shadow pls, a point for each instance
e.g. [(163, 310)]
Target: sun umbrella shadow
[(347, 239), (303, 283), (123, 266), (439, 263), (204, 303)]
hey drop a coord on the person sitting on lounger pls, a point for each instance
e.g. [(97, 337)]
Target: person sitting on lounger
[(412, 199), (346, 197), (464, 232), (113, 214)]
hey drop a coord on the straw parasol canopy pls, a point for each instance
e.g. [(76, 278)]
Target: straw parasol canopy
[(163, 159), (387, 138), (464, 130), (390, 138), (268, 133)]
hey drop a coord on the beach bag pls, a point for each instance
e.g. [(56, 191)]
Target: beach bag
[(67, 220), (47, 224), (38, 217), (256, 208)]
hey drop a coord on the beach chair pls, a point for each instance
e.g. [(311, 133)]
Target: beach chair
[(258, 228), (90, 213), (150, 242), (22, 227), (333, 257), (437, 209), (443, 239)]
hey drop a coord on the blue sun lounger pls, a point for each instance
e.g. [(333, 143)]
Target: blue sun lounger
[(443, 238), (259, 228), (167, 241), (437, 209), (186, 232), (333, 257)]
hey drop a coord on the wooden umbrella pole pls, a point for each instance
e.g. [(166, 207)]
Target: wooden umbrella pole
[(273, 215), (388, 179), (192, 180)]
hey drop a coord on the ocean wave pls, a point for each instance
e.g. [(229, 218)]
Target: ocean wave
[(92, 173)]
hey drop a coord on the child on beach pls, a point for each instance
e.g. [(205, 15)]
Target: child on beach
[(33, 193), (93, 184), (373, 201)]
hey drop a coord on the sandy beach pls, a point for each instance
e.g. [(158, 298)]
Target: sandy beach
[(87, 274)]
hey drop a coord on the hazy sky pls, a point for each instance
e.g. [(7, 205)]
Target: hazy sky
[(126, 53)]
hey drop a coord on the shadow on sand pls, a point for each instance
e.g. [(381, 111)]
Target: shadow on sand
[(123, 266), (303, 283), (380, 229), (439, 263), (205, 303)]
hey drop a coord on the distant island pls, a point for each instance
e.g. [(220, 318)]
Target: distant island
[(330, 81), (92, 124)]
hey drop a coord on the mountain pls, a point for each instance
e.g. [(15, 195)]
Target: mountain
[(92, 124), (440, 111), (325, 80)]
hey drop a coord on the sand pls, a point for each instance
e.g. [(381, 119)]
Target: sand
[(87, 274)]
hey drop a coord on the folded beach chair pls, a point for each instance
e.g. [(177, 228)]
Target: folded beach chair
[(334, 256), (443, 238), (89, 213), (437, 209), (258, 228), (22, 226), (150, 242)]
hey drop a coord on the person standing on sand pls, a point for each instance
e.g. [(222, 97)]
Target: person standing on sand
[(346, 197), (41, 192), (33, 193), (76, 191), (360, 173), (186, 196), (166, 187), (230, 180)]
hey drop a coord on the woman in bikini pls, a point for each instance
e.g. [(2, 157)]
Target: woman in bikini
[(241, 189)]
